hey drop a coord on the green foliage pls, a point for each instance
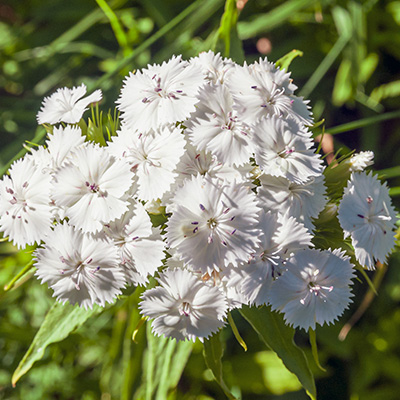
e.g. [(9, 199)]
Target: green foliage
[(213, 353), (279, 337), (60, 321)]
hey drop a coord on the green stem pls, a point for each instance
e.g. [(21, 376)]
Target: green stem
[(115, 25), (323, 68), (314, 349), (236, 332), (147, 43), (18, 276), (363, 122)]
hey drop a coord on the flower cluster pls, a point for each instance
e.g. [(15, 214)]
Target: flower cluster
[(225, 154)]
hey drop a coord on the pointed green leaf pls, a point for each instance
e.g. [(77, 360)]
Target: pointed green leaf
[(213, 352), (59, 322), (285, 61), (279, 337)]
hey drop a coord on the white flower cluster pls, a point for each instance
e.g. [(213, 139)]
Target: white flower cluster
[(226, 152)]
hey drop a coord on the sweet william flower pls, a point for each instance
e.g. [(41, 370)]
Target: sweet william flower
[(92, 187), (139, 246), (25, 212), (368, 217), (153, 157), (217, 128), (261, 90), (304, 201), (314, 289), (213, 225), (214, 68), (280, 237), (66, 105), (281, 151), (183, 307), (159, 94), (80, 269)]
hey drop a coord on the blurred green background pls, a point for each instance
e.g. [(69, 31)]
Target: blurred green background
[(350, 71)]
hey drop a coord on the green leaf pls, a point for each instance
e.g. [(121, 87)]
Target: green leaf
[(268, 21), (59, 322), (279, 337), (213, 352), (163, 366), (285, 61)]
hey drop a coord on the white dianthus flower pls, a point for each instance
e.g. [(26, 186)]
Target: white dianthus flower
[(91, 187), (281, 236), (281, 151), (140, 248), (360, 161), (314, 289), (366, 215), (213, 225), (160, 94), (216, 127), (25, 212), (214, 68), (199, 162), (153, 157), (263, 90), (183, 307), (303, 201), (78, 268), (66, 105)]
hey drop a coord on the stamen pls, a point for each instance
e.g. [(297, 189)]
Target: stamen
[(359, 215), (202, 207)]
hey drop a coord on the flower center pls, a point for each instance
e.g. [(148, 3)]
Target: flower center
[(185, 309)]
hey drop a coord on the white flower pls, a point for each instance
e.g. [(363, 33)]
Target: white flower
[(183, 307), (281, 236), (302, 201), (213, 66), (315, 288), (140, 248), (62, 142), (216, 127), (199, 162), (66, 105), (367, 215), (281, 151), (78, 268), (92, 187), (159, 95), (360, 161), (153, 157), (212, 225), (25, 212), (262, 90)]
